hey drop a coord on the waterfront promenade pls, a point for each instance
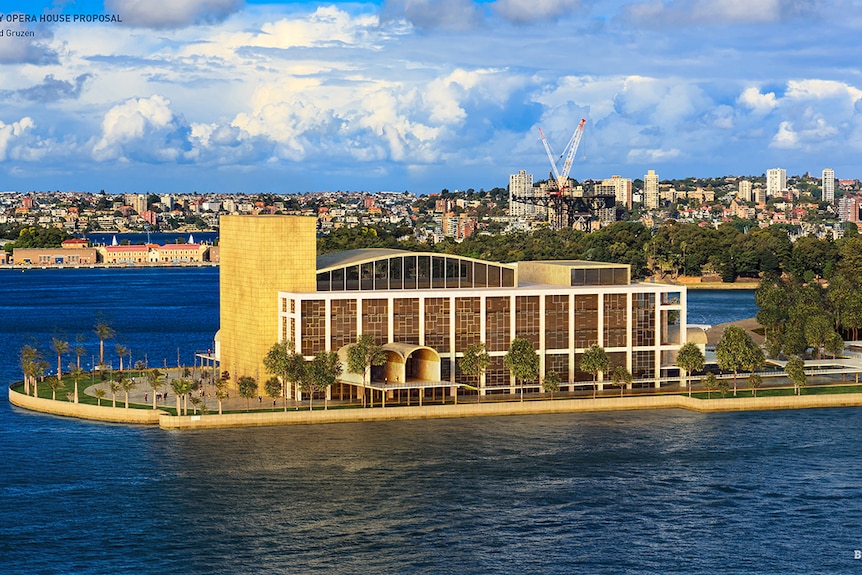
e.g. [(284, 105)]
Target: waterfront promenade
[(340, 412)]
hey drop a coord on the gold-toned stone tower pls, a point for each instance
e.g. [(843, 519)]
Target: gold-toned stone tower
[(260, 255)]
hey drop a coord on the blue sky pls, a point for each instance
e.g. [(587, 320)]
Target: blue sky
[(420, 95)]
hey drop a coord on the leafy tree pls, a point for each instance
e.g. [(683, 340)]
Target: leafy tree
[(475, 362), (247, 389), (736, 351), (834, 344), (362, 355), (61, 348), (690, 359), (710, 383), (754, 381), (595, 361), (103, 332), (273, 388), (522, 361), (283, 361), (795, 370), (324, 371), (723, 387), (621, 377), (551, 383)]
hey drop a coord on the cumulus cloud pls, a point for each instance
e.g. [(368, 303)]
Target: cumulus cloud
[(753, 99), (51, 89), (142, 129), (527, 11), (10, 133), (452, 15), (172, 13)]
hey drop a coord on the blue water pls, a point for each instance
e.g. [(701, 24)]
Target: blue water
[(639, 492), (712, 307)]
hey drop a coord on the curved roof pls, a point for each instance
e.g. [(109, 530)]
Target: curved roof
[(336, 260)]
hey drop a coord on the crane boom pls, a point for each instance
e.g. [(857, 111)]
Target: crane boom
[(562, 176)]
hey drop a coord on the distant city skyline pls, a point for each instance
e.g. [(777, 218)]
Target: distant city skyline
[(216, 96)]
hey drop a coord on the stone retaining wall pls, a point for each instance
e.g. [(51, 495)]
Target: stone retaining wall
[(85, 411), (355, 415), (259, 419)]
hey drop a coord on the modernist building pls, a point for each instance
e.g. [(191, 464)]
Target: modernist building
[(776, 182), (828, 186), (427, 308), (651, 190)]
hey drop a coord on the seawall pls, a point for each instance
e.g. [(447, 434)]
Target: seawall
[(85, 411), (261, 419)]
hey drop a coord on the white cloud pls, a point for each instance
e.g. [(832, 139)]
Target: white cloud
[(647, 156), (812, 89), (140, 128), (10, 133), (172, 13), (760, 103)]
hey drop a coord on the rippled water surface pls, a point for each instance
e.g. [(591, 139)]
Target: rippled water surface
[(638, 492)]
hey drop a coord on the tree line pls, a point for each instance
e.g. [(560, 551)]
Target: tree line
[(730, 251)]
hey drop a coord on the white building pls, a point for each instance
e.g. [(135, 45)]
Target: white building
[(651, 190), (828, 186), (521, 184), (776, 182), (745, 191)]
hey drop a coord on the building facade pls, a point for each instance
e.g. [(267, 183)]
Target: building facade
[(745, 191), (651, 190), (828, 185), (776, 182), (426, 309), (620, 187)]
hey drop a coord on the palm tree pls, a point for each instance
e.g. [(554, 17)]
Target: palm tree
[(76, 372), (79, 348), (155, 381), (54, 384), (127, 383), (114, 386), (103, 332), (29, 358), (61, 348), (121, 352), (100, 393)]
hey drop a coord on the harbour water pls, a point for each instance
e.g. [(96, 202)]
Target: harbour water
[(640, 492)]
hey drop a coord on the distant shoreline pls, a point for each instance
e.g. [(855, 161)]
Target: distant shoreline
[(32, 267)]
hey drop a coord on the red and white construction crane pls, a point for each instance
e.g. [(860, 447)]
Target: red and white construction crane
[(561, 173)]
